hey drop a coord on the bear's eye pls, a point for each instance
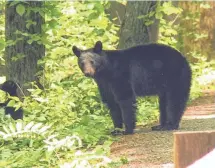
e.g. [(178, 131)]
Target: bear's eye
[(92, 62)]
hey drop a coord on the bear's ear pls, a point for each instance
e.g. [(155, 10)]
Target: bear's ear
[(76, 51), (98, 47)]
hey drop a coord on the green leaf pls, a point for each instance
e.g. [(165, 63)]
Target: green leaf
[(29, 23), (2, 133), (149, 22), (12, 128), (6, 129), (159, 15), (52, 23), (19, 126), (90, 6), (2, 44), (17, 57), (13, 3), (36, 127), (43, 129), (205, 6), (14, 98), (20, 9), (28, 126), (11, 103)]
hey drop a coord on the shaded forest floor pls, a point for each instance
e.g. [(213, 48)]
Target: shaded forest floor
[(155, 149)]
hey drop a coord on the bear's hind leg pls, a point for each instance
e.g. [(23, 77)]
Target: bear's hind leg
[(176, 103), (177, 97), (163, 115)]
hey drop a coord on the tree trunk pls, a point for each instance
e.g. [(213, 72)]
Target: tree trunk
[(24, 69), (133, 30), (116, 12)]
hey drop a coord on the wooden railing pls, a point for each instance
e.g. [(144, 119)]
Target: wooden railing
[(194, 149)]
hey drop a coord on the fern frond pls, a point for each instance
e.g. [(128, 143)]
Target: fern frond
[(20, 129), (53, 143), (83, 160)]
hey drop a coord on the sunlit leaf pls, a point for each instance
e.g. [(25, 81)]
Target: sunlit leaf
[(6, 129), (28, 126), (12, 128), (19, 126), (36, 126), (11, 103), (20, 9)]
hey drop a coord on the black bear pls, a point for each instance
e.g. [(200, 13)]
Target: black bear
[(11, 88), (144, 70)]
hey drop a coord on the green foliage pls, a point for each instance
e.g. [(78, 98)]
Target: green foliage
[(22, 130), (69, 97), (69, 103), (200, 81), (148, 111), (38, 144), (2, 28), (168, 29), (74, 104), (124, 160)]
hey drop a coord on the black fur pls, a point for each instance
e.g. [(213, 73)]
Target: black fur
[(145, 70), (11, 88)]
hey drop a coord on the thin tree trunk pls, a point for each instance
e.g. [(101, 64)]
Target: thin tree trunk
[(133, 30), (24, 69)]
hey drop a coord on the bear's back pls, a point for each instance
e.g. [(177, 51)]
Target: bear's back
[(151, 52), (151, 56), (149, 68)]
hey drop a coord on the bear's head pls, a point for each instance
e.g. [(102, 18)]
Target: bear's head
[(90, 61)]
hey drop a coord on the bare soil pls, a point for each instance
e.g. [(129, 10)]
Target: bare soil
[(148, 149)]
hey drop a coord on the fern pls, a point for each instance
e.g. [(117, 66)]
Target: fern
[(50, 142), (19, 129), (84, 160), (68, 142)]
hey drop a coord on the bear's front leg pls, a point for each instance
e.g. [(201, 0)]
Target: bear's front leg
[(108, 98), (128, 108), (127, 102), (116, 116)]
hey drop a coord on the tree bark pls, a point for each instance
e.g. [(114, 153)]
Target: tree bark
[(133, 30), (116, 12), (24, 69)]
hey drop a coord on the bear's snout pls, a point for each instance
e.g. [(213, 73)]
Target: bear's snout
[(87, 74), (89, 71)]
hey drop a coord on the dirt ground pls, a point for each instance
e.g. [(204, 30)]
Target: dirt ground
[(155, 149)]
